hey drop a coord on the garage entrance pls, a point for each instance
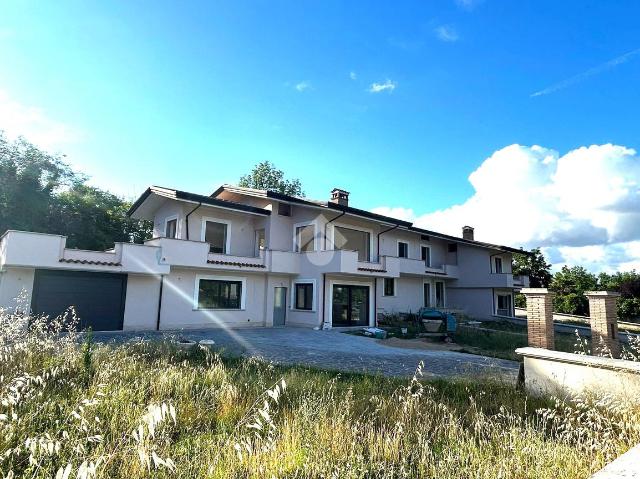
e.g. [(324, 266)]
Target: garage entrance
[(97, 297)]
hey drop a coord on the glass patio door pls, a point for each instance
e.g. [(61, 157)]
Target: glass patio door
[(350, 305)]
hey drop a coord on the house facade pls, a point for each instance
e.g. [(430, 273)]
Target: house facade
[(243, 258)]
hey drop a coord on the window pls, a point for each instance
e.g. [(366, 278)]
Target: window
[(305, 238), (354, 240), (304, 296), (215, 233), (504, 305), (426, 295), (425, 255), (261, 242), (452, 247), (284, 209), (498, 262), (171, 228), (389, 287), (439, 294), (403, 249), (219, 294)]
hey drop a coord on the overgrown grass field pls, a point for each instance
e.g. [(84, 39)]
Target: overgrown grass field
[(148, 409)]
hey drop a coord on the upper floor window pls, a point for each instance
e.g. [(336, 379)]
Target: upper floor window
[(305, 238), (354, 240), (171, 228), (403, 249), (216, 234), (498, 263), (425, 255)]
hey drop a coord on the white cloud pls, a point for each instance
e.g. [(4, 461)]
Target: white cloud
[(34, 124), (588, 73), (405, 214), (387, 85), (302, 86), (353, 75), (446, 33), (582, 207)]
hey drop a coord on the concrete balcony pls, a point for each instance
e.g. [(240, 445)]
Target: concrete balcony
[(499, 280), (286, 262), (417, 267), (45, 251), (520, 281)]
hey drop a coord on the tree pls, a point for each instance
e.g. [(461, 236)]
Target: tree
[(265, 176), (570, 284), (535, 266), (39, 192), (628, 285)]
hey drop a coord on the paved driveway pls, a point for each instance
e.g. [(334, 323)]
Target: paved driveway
[(338, 351)]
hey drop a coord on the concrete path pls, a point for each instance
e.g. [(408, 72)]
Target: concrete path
[(337, 351)]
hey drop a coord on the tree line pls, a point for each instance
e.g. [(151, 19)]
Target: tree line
[(570, 283), (40, 192)]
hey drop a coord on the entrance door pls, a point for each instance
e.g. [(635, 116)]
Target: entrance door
[(350, 305), (279, 306)]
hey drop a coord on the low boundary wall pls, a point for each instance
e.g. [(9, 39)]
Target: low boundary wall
[(562, 374)]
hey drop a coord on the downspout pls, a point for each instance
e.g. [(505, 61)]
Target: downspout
[(324, 308), (327, 224), (187, 218), (159, 303)]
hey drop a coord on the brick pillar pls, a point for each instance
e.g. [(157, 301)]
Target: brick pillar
[(539, 317), (604, 322)]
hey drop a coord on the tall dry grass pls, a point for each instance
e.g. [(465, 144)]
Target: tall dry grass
[(71, 408)]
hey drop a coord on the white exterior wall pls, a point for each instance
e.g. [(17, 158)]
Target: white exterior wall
[(169, 209), (408, 296), (179, 309), (141, 303), (13, 283), (474, 302)]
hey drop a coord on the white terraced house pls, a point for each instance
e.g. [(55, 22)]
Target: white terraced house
[(252, 258)]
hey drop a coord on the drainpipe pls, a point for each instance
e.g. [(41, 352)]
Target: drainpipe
[(375, 301), (324, 288), (187, 218), (159, 303), (382, 232), (327, 224)]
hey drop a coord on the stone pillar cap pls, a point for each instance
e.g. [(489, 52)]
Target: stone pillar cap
[(612, 294), (535, 291)]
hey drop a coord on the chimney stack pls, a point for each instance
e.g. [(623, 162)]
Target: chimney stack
[(467, 233), (340, 197)]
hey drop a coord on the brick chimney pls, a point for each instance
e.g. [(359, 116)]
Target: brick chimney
[(467, 233), (340, 197)]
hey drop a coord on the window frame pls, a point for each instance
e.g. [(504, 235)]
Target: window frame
[(203, 232), (237, 279), (166, 223), (384, 287), (444, 294), (427, 264), (407, 249), (332, 230), (294, 305), (296, 246)]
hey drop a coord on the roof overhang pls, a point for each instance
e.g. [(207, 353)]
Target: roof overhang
[(154, 196)]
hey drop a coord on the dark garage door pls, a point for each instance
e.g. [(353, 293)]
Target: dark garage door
[(97, 297)]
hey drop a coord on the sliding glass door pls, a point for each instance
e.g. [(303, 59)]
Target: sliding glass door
[(350, 305)]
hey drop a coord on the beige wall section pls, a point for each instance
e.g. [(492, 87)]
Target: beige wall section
[(408, 296), (169, 209), (475, 302), (141, 303), (13, 281), (178, 308)]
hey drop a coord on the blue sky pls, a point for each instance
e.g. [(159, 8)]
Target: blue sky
[(193, 94)]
